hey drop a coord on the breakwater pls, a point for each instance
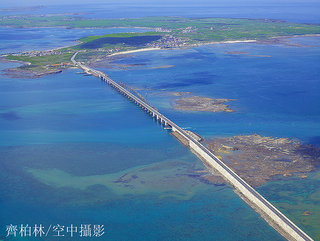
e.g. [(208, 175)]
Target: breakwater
[(272, 215)]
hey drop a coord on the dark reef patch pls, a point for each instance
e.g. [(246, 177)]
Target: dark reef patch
[(257, 159), (10, 116), (315, 140), (199, 78), (185, 83)]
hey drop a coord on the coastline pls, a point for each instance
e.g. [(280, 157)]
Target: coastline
[(224, 42), (295, 36), (187, 46), (275, 40), (67, 27), (215, 42), (133, 51), (136, 59)]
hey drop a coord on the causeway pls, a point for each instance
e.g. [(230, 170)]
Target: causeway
[(271, 214)]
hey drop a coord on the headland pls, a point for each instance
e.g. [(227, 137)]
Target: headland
[(166, 33)]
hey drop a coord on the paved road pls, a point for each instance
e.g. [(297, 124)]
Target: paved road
[(175, 127)]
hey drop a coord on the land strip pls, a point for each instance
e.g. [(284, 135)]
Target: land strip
[(167, 33)]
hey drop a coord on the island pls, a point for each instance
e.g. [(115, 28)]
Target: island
[(161, 33), (198, 103), (253, 157), (257, 159)]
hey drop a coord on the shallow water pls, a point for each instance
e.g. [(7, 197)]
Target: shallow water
[(74, 151), (70, 155), (275, 90), (298, 199), (276, 95), (15, 40)]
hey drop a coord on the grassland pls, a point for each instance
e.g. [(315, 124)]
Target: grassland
[(202, 29), (38, 63), (117, 35), (43, 60), (126, 39), (38, 66), (169, 32)]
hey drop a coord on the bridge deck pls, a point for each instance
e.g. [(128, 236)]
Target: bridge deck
[(287, 228)]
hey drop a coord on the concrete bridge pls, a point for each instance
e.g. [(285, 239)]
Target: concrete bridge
[(271, 214)]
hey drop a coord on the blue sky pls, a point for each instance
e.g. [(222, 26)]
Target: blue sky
[(17, 3)]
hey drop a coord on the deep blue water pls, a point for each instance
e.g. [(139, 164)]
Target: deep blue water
[(73, 151), (293, 11), (77, 124), (25, 39), (276, 88)]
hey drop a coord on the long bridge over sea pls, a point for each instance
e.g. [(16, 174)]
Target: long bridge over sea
[(271, 214)]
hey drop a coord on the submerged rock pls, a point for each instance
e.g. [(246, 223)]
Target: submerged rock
[(256, 159), (198, 103)]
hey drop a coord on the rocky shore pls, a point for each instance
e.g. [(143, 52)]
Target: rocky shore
[(247, 53), (198, 103), (28, 74), (257, 159)]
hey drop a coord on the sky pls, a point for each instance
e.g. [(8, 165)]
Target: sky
[(19, 3)]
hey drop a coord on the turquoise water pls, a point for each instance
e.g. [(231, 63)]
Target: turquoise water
[(91, 135), (275, 88), (276, 93), (74, 151)]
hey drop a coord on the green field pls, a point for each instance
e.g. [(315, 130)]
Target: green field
[(117, 35), (90, 48), (184, 31), (43, 60), (205, 29), (120, 39)]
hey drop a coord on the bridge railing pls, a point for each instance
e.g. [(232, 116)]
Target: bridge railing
[(217, 161)]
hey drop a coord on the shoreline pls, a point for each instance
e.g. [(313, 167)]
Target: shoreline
[(133, 51), (224, 42), (157, 48), (297, 35), (182, 47), (215, 42), (285, 224), (187, 46)]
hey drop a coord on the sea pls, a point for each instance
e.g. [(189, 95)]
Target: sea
[(82, 162)]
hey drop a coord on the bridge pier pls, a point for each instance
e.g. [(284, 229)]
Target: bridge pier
[(274, 217)]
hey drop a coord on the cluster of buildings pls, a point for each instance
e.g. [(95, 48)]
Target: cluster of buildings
[(37, 53), (164, 30), (169, 41), (189, 30)]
